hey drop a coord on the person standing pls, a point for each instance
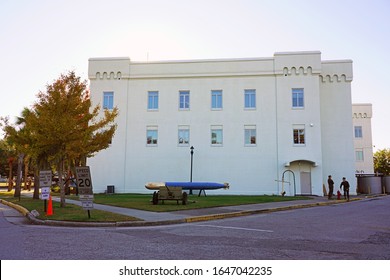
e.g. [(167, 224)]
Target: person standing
[(345, 185), (331, 187)]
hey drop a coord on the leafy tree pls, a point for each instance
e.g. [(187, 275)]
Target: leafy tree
[(18, 137), (3, 157), (64, 126), (382, 161), (7, 159), (27, 142)]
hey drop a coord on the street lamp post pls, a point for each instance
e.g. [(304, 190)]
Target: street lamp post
[(192, 161)]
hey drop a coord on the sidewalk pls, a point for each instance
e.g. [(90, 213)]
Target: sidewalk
[(149, 218), (209, 213)]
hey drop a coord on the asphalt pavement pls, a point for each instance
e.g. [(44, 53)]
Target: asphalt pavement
[(148, 218)]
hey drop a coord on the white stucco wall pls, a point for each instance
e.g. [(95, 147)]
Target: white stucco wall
[(362, 115), (129, 163), (336, 122)]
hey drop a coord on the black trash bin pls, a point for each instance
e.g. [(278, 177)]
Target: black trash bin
[(110, 189)]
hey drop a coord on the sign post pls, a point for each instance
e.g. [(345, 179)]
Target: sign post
[(84, 185), (45, 184)]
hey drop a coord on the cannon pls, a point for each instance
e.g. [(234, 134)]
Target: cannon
[(170, 193)]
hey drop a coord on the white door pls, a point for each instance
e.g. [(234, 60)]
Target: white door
[(305, 182)]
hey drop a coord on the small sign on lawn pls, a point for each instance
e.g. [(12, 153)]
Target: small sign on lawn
[(45, 183), (84, 184)]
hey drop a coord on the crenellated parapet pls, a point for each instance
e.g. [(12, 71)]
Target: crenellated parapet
[(360, 116), (109, 68), (361, 111), (288, 71), (336, 71), (297, 63), (335, 78), (108, 76)]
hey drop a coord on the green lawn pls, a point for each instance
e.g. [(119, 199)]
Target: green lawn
[(143, 201), (136, 201), (69, 213)]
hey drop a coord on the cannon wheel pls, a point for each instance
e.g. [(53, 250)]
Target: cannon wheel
[(185, 198), (155, 198)]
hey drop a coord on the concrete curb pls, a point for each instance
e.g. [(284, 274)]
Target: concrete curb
[(36, 221), (261, 211), (194, 219), (19, 208)]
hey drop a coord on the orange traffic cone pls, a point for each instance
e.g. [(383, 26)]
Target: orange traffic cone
[(49, 207)]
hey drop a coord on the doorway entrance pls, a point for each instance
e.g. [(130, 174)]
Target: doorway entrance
[(305, 178)]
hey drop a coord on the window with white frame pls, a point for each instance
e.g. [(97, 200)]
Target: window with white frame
[(359, 155), (184, 100), (152, 100), (358, 132), (298, 98), (299, 135), (250, 98), (216, 99), (250, 135), (151, 136), (184, 136), (108, 100), (216, 135)]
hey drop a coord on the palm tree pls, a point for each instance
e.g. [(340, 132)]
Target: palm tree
[(10, 179)]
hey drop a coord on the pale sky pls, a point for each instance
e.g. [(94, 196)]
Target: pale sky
[(41, 39)]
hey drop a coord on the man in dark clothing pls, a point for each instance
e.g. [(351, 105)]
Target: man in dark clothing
[(345, 186), (331, 186)]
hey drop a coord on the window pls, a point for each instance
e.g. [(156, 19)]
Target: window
[(359, 155), (250, 135), (216, 99), (358, 132), (250, 98), (299, 135), (297, 98), (184, 100), (216, 135), (153, 100), (108, 100), (151, 136), (184, 136)]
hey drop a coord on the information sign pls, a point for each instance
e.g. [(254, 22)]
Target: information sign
[(87, 204), (45, 180), (45, 193)]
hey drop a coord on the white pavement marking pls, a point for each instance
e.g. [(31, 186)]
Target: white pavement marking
[(238, 228)]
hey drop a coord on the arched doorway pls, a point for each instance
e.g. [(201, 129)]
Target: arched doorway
[(303, 174)]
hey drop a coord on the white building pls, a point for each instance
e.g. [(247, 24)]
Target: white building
[(251, 122), (362, 114)]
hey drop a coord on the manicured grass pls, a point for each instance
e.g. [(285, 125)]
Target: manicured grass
[(69, 213), (137, 201), (143, 201)]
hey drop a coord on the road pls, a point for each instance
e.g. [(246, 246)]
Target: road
[(350, 231)]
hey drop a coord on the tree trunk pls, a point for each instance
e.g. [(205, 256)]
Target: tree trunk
[(61, 182), (26, 178), (10, 179), (36, 183), (19, 176)]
